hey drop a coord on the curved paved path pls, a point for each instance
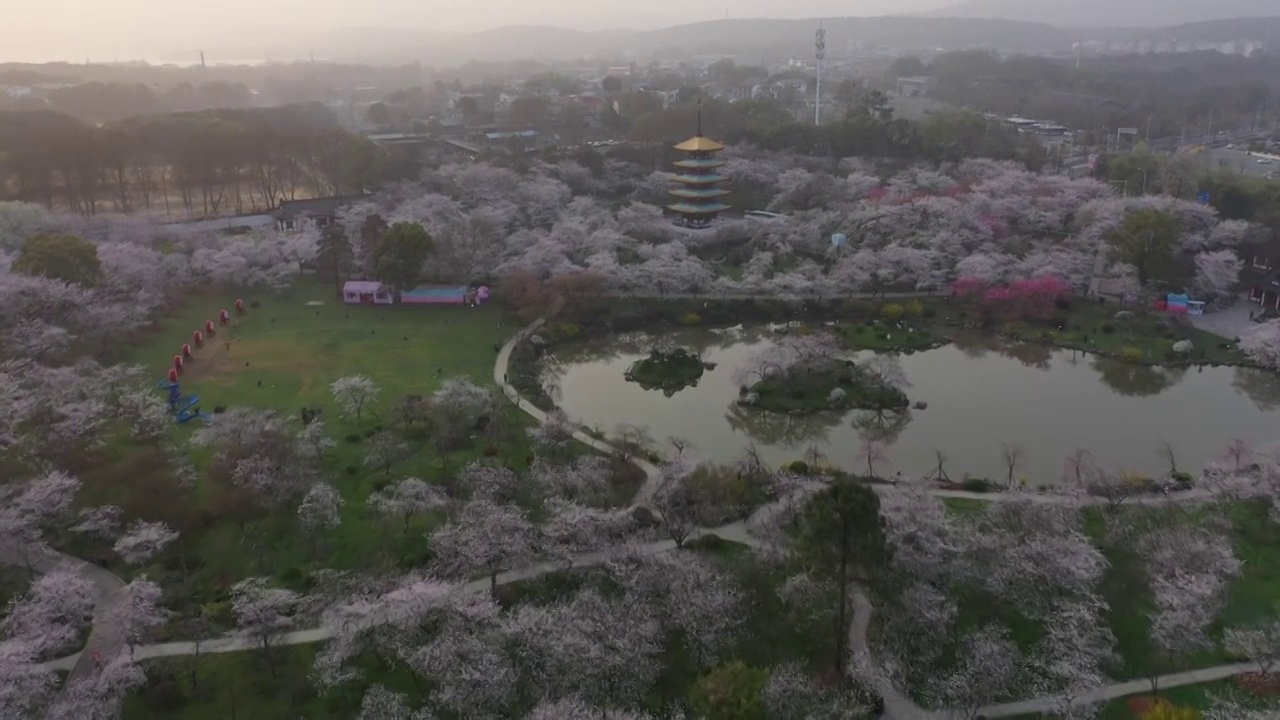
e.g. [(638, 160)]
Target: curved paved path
[(897, 705), (107, 587)]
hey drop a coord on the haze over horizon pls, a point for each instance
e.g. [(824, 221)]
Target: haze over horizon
[(118, 30), (245, 30)]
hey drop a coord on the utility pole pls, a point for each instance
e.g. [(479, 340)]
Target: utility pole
[(820, 52), (202, 65)]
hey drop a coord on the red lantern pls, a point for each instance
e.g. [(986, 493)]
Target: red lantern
[(223, 317), (208, 328), (173, 375), (186, 351), (239, 307), (197, 338)]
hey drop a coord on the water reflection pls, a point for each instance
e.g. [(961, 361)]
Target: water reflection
[(771, 428), (1133, 380), (1260, 386), (982, 394), (883, 426)]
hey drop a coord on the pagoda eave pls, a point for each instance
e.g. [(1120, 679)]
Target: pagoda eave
[(700, 179), (698, 194), (707, 209)]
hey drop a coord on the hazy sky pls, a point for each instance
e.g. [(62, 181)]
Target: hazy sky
[(38, 30)]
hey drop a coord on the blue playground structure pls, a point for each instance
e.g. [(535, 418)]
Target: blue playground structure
[(184, 408)]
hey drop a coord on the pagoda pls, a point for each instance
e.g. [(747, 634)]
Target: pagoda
[(698, 191)]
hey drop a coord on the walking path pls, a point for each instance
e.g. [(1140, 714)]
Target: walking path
[(897, 705), (107, 587), (1229, 323)]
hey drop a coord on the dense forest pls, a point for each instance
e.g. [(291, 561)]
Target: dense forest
[(1196, 91), (195, 164)]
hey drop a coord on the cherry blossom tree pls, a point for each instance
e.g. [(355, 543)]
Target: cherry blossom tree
[(406, 499), (605, 649), (1217, 272), (571, 528), (586, 480), (353, 392), (575, 708), (466, 661), (314, 441), (25, 686), (379, 703), (484, 537), (385, 450), (1231, 709), (102, 521), (320, 511), (456, 408), (690, 597), (553, 435), (99, 696), (50, 615), (136, 610), (143, 541), (1259, 644), (791, 692), (988, 671), (1262, 344), (263, 613), (487, 481)]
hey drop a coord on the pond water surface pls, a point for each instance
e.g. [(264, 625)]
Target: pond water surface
[(982, 395)]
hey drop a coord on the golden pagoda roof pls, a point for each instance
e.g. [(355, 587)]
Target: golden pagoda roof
[(698, 143)]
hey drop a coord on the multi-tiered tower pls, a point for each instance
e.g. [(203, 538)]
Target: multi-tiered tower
[(698, 191)]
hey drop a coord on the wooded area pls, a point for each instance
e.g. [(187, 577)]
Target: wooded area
[(194, 164)]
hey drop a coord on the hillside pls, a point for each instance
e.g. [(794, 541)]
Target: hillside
[(1109, 13), (748, 39)]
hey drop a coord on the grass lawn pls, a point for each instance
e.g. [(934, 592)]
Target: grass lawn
[(284, 355), (1143, 336), (881, 335), (1251, 598)]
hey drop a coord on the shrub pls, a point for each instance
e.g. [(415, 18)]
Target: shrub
[(1062, 304), (1108, 328), (1183, 479), (352, 437), (914, 309), (892, 312), (730, 692), (690, 318), (799, 467), (978, 485), (351, 470), (929, 312), (568, 330), (708, 541), (255, 304), (490, 450), (1131, 354)]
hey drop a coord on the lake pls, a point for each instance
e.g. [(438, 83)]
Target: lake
[(983, 394)]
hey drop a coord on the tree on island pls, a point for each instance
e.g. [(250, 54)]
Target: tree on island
[(400, 254)]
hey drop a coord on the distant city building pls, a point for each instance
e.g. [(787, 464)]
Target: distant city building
[(916, 86), (698, 190)]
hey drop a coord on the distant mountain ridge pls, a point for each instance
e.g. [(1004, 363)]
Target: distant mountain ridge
[(748, 39), (1110, 13)]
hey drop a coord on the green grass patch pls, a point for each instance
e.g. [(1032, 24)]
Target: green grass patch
[(283, 355), (1131, 334), (811, 391)]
